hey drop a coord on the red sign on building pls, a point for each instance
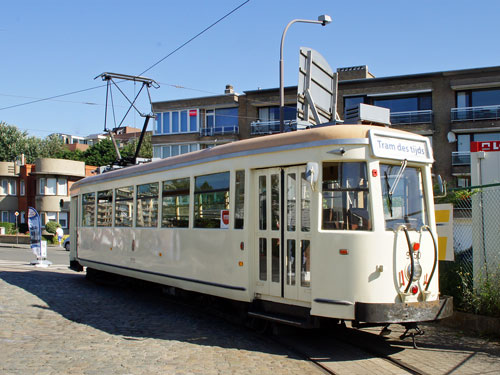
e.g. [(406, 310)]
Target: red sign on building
[(485, 146)]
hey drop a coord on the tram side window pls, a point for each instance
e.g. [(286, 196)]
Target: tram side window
[(211, 196), (239, 200), (88, 209), (175, 202), (147, 205), (345, 197), (124, 206), (105, 208), (406, 204)]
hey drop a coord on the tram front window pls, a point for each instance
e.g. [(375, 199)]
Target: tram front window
[(345, 197), (403, 196)]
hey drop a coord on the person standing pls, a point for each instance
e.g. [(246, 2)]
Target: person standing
[(60, 234)]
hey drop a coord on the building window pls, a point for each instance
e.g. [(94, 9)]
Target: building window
[(405, 103), (175, 203), (124, 206), (5, 216), (147, 205), (221, 121), (353, 101), (270, 114), (51, 216), (53, 186), (174, 122), (8, 187), (210, 198), (63, 219), (62, 186), (48, 186), (22, 188), (478, 98), (88, 209), (105, 208), (165, 151)]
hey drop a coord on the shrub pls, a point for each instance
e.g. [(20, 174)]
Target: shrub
[(52, 226), (10, 228), (483, 299)]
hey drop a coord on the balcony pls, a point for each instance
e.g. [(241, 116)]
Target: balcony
[(460, 158), (491, 112), (271, 127), (411, 117), (219, 130)]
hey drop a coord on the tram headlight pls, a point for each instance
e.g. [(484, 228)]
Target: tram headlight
[(417, 271)]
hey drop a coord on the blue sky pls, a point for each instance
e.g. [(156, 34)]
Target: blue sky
[(55, 47)]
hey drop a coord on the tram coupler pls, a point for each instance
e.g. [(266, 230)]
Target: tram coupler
[(412, 331)]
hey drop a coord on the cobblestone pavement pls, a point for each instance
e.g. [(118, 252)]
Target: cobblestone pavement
[(53, 321)]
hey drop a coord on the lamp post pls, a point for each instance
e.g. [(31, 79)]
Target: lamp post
[(323, 20)]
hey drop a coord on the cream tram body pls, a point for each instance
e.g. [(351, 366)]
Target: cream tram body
[(295, 219)]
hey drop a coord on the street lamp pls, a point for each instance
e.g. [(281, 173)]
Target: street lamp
[(323, 20)]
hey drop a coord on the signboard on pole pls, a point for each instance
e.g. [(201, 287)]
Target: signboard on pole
[(35, 228)]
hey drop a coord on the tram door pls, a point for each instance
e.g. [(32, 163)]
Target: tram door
[(283, 233)]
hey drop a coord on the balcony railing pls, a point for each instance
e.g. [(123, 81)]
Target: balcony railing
[(411, 117), (491, 112), (460, 158), (219, 130), (271, 127)]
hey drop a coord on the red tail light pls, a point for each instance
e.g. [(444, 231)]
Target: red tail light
[(414, 289)]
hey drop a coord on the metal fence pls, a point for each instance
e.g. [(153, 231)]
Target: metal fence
[(476, 232)]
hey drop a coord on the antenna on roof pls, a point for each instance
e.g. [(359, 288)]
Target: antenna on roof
[(146, 83)]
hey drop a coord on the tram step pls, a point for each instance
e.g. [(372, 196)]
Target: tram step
[(284, 319)]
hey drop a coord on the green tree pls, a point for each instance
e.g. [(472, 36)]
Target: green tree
[(146, 148), (33, 149), (52, 147), (102, 153), (12, 142)]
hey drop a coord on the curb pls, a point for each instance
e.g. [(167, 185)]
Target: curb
[(478, 324)]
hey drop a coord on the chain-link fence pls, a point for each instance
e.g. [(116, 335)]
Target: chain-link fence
[(476, 229), (476, 237)]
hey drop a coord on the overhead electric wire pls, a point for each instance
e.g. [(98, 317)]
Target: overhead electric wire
[(52, 97), (194, 37), (151, 67)]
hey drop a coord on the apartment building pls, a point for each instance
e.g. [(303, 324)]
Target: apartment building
[(43, 185), (187, 125), (452, 108)]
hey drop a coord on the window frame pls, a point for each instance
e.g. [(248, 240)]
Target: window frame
[(140, 197), (176, 219), (210, 193), (340, 191), (165, 121), (128, 221), (84, 213)]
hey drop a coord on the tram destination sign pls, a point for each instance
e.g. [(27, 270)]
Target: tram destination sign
[(390, 145)]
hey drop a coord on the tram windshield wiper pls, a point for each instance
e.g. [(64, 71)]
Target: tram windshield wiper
[(389, 196), (391, 189)]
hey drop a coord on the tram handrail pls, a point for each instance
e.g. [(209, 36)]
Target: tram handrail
[(412, 262), (435, 253)]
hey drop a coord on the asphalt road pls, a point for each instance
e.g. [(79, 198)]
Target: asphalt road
[(12, 252)]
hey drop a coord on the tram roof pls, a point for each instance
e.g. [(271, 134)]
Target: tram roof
[(275, 142)]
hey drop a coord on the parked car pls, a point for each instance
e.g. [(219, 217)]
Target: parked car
[(66, 243)]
